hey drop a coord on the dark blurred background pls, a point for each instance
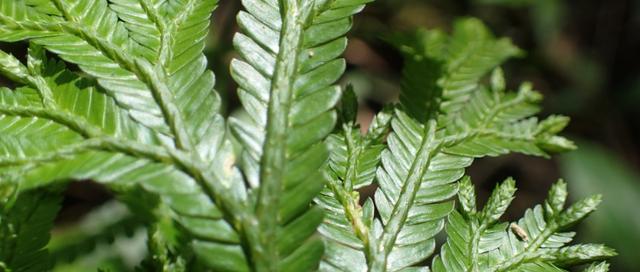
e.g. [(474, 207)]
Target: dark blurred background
[(584, 56)]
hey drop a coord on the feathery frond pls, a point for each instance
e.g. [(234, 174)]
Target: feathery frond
[(431, 144), (477, 242), (289, 62)]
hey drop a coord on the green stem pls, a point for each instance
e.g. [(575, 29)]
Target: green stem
[(58, 154), (520, 98), (345, 194), (156, 80), (474, 250), (46, 94), (97, 138), (274, 159), (354, 152)]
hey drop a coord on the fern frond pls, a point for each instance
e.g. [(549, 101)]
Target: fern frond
[(96, 41), (141, 117), (21, 138), (476, 242), (74, 110), (189, 205), (24, 231), (289, 52), (171, 34), (352, 165), (470, 54), (432, 143), (184, 200), (154, 83)]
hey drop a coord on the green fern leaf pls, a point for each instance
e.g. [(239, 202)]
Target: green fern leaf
[(81, 111), (184, 199), (98, 42), (432, 143), (352, 165), (77, 42), (141, 117), (150, 82), (289, 62), (535, 243), (470, 54), (45, 166), (172, 35)]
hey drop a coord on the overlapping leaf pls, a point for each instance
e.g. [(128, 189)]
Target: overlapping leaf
[(94, 34), (172, 34), (470, 54), (81, 110), (189, 205)]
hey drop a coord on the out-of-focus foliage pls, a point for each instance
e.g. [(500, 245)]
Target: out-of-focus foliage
[(103, 226), (593, 169)]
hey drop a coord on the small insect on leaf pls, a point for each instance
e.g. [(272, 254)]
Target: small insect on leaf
[(519, 231)]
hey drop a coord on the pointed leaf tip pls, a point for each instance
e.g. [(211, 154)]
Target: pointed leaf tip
[(467, 196), (579, 211), (556, 199), (499, 201)]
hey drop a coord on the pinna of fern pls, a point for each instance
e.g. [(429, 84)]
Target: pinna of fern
[(142, 117), (477, 242)]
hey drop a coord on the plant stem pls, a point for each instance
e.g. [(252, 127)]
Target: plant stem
[(274, 159)]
